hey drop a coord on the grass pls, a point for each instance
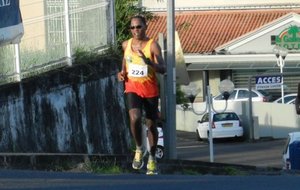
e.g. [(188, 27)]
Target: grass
[(117, 165), (232, 171), (111, 166), (104, 167)]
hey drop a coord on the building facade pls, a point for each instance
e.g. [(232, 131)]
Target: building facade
[(236, 41)]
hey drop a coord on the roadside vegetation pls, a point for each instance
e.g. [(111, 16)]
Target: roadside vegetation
[(112, 166)]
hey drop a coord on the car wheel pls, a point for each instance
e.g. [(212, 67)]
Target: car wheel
[(159, 152), (198, 138)]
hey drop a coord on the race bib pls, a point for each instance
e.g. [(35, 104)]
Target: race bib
[(135, 70)]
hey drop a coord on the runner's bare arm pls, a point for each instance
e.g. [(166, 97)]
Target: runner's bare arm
[(159, 63)]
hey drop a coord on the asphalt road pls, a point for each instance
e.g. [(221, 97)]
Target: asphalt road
[(261, 153), (24, 179)]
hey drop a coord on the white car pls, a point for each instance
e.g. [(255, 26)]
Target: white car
[(242, 94), (288, 99), (224, 125), (292, 137)]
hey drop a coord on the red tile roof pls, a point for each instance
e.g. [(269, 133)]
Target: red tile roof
[(203, 31)]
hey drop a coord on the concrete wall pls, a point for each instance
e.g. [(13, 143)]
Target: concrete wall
[(72, 110), (270, 119), (197, 79)]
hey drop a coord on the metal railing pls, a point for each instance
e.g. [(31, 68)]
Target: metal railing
[(53, 32)]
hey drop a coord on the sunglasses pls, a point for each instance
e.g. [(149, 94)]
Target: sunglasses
[(137, 27)]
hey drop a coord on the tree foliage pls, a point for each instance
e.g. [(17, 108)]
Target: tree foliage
[(125, 9), (180, 96)]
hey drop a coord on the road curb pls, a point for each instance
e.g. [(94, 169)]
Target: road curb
[(73, 162)]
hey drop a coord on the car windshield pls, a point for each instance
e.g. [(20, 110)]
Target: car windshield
[(221, 97), (245, 94), (289, 98), (225, 117), (286, 99)]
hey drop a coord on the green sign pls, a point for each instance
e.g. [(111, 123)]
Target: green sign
[(288, 38)]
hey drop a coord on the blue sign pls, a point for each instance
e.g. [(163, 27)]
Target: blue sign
[(11, 27), (268, 82)]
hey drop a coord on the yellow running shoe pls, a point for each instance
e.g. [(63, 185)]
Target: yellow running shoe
[(138, 162), (151, 167)]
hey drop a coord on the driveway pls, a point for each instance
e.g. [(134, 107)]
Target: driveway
[(261, 153)]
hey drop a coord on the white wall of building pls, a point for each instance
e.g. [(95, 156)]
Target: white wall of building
[(268, 121)]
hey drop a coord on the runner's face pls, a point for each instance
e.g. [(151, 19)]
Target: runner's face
[(137, 28)]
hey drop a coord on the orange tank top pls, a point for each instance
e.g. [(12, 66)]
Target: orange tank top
[(141, 77)]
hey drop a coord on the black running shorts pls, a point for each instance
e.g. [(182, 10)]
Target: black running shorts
[(149, 105)]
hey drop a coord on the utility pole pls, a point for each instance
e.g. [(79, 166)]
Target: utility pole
[(170, 131)]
